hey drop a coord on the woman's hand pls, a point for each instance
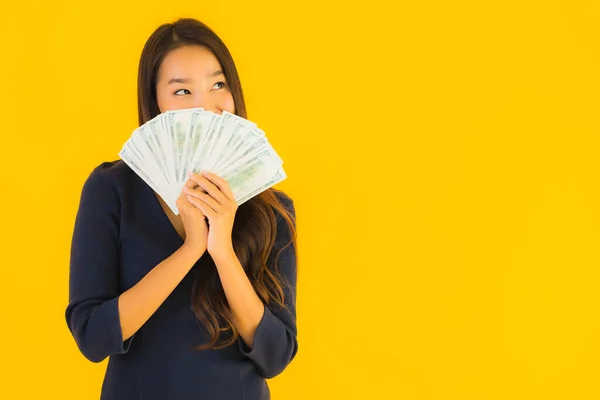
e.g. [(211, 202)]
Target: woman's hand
[(194, 222), (213, 197)]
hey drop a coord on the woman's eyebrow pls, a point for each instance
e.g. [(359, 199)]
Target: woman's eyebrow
[(188, 80)]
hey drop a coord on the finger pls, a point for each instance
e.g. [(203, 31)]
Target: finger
[(202, 206), (183, 204), (204, 197), (221, 183), (190, 183), (210, 188)]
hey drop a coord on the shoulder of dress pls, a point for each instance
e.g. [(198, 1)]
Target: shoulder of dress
[(284, 199), (116, 176), (288, 204), (114, 172)]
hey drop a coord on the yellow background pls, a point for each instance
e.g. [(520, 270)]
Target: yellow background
[(443, 160)]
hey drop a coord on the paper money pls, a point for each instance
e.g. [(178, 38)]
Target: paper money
[(163, 150)]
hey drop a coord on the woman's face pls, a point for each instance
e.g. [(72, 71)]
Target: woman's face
[(190, 77)]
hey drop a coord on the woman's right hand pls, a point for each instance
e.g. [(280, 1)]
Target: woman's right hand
[(194, 223)]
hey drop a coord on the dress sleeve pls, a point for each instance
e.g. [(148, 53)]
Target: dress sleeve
[(92, 313), (275, 342)]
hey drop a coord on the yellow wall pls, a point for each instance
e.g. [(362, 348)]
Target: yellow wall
[(443, 160)]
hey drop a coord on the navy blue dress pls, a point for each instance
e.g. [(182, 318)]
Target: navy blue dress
[(121, 232)]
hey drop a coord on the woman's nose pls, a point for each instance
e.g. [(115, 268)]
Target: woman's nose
[(199, 102), (204, 102)]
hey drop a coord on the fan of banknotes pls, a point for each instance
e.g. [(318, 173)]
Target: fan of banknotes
[(163, 150)]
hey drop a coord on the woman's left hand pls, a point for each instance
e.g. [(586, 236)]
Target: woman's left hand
[(214, 198)]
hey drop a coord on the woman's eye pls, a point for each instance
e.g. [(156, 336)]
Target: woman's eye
[(218, 85)]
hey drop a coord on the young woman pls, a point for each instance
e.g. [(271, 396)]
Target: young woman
[(195, 306)]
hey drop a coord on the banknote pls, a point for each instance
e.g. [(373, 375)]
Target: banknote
[(163, 150)]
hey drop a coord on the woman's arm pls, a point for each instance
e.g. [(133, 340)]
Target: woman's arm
[(247, 308), (268, 331), (275, 342), (137, 304), (102, 320)]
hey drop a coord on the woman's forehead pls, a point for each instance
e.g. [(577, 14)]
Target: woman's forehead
[(190, 62)]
